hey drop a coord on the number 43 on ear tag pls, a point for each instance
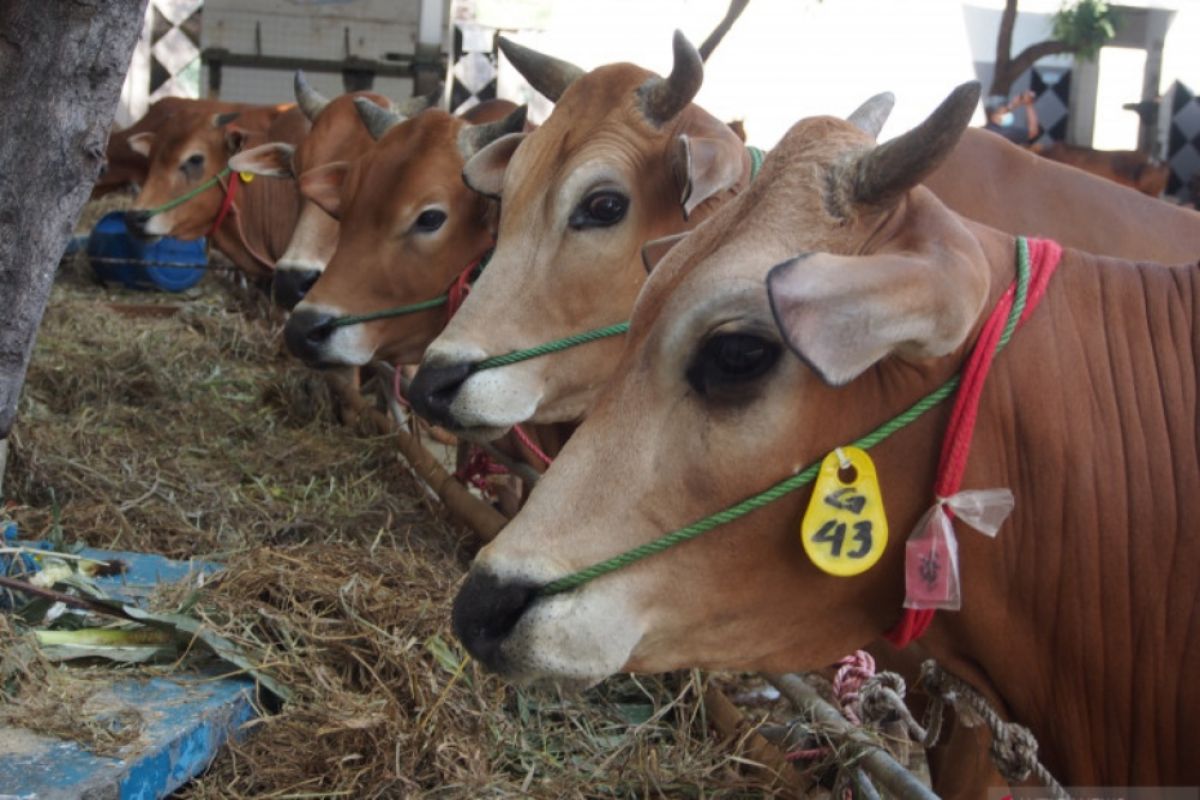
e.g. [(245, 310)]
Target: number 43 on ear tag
[(844, 531)]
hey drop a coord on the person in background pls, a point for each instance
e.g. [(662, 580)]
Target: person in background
[(1002, 120)]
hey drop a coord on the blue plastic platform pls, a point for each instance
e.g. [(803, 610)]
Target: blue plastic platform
[(169, 264), (187, 717)]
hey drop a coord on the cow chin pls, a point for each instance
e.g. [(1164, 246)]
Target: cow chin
[(575, 640), (489, 403)]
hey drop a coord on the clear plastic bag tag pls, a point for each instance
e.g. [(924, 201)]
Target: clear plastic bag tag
[(983, 509), (931, 564)]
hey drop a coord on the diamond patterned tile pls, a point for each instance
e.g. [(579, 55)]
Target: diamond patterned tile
[(475, 71), (175, 51), (177, 10)]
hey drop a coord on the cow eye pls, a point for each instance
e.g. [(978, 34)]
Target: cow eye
[(727, 360), (193, 164), (430, 220), (599, 210)]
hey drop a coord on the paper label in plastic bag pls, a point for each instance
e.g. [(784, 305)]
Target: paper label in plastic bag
[(931, 564), (983, 509)]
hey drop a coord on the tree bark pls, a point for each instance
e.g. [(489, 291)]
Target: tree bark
[(62, 63), (1008, 67)]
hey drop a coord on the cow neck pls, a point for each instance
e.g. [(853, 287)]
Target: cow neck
[(1015, 309), (229, 222)]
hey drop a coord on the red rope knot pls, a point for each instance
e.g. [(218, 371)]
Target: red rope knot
[(853, 671), (478, 469)]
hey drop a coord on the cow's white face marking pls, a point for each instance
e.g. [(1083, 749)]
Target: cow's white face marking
[(578, 637), (313, 241), (492, 401), (347, 345)]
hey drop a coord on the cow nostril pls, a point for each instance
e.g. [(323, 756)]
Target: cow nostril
[(434, 388), (305, 333), (485, 612), (291, 285)]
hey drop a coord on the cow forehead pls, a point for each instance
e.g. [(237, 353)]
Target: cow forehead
[(337, 133), (415, 162), (783, 213)]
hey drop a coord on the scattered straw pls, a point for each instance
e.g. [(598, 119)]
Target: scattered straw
[(193, 434)]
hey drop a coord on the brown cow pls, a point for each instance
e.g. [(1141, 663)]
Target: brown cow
[(194, 147), (1078, 620), (337, 135), (1126, 167), (408, 228), (555, 274), (125, 166)]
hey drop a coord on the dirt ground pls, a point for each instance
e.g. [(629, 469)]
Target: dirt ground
[(177, 424)]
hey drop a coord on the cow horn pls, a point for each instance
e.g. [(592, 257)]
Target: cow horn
[(663, 98), (550, 76), (418, 103), (221, 120), (736, 7), (871, 115), (311, 101), (378, 120), (882, 174), (473, 138)]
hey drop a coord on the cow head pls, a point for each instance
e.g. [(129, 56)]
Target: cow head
[(190, 148), (409, 226), (338, 134), (821, 301), (624, 158)]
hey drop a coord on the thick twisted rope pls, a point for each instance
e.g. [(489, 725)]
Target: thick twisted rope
[(458, 289), (1014, 747), (805, 476), (757, 157)]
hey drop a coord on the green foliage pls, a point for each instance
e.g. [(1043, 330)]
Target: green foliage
[(1085, 25)]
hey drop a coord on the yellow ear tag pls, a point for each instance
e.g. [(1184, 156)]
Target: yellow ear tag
[(246, 176), (845, 529)]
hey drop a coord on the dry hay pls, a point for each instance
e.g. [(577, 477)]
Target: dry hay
[(191, 434)]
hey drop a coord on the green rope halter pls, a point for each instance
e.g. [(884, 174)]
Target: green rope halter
[(411, 308), (756, 161), (805, 476), (183, 198), (566, 342)]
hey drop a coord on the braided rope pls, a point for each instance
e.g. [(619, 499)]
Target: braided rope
[(183, 198), (388, 313), (757, 157), (805, 476), (553, 346)]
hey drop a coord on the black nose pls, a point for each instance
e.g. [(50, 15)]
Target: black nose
[(290, 285), (136, 221), (433, 389), (486, 611), (306, 331)]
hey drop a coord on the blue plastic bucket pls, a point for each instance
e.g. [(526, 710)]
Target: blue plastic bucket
[(110, 239)]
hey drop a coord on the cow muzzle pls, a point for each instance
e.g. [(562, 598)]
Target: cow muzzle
[(137, 222), (290, 284), (434, 389), (486, 611)]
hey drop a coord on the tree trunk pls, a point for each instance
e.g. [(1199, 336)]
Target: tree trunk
[(62, 63), (1008, 67)]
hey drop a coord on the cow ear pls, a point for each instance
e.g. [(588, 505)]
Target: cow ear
[(655, 250), (705, 166), (484, 173), (323, 186), (235, 138), (272, 160), (842, 314), (141, 143)]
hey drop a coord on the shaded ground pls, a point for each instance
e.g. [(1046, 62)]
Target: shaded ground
[(188, 432)]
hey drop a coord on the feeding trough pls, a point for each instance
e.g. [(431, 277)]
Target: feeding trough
[(168, 264)]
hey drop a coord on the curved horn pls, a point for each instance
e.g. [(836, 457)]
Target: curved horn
[(378, 120), (663, 98), (882, 174), (550, 76), (311, 101), (871, 115), (473, 138), (419, 102)]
